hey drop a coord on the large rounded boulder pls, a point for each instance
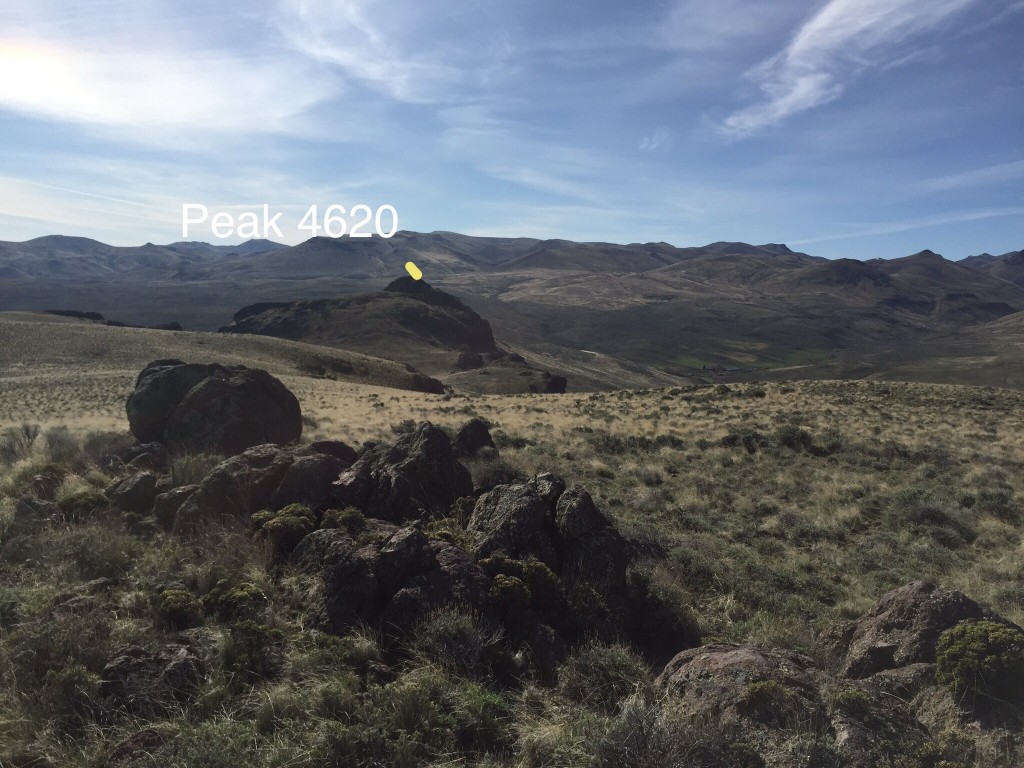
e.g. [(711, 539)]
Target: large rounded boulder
[(211, 408)]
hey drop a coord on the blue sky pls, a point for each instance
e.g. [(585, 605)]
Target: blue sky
[(844, 128)]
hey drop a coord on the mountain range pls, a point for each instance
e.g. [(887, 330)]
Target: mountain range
[(603, 314)]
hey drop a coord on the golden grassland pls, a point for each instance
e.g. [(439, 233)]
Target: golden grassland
[(890, 482), (767, 510)]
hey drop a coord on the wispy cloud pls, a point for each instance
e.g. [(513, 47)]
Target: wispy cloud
[(659, 138), (907, 225), (158, 93), (993, 174), (838, 42), (508, 150), (698, 26)]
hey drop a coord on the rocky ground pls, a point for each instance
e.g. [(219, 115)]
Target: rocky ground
[(210, 592)]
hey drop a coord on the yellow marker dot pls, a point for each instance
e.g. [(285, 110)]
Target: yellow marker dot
[(413, 270)]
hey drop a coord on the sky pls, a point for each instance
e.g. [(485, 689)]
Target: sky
[(843, 128)]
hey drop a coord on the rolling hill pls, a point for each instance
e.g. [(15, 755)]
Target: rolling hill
[(651, 312)]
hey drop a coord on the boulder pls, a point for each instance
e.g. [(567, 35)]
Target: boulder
[(725, 682), (308, 480), (472, 438), (548, 486), (159, 389), (211, 408), (147, 683), (587, 541), (30, 508), (417, 477), (555, 385), (349, 591), (44, 486), (167, 504), (393, 582), (760, 697), (144, 456), (263, 477), (453, 580), (515, 520), (134, 494), (901, 629), (469, 361), (238, 487), (335, 448)]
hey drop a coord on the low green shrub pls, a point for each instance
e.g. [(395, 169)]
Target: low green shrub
[(69, 696), (242, 600), (349, 519), (457, 641), (253, 651), (286, 527), (179, 609), (794, 437), (81, 504), (982, 658), (192, 469), (60, 445), (600, 676)]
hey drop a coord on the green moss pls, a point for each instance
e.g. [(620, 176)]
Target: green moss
[(286, 527), (509, 594), (179, 609), (348, 519), (982, 658), (82, 504), (235, 601)]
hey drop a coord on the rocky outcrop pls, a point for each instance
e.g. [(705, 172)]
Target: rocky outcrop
[(147, 683), (211, 408), (386, 575), (901, 629), (418, 477), (264, 477), (766, 699), (515, 520)]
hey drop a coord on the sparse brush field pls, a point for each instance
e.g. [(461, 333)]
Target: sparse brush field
[(766, 510)]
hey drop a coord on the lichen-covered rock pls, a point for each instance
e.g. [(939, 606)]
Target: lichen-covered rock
[(134, 494), (390, 577), (764, 697), (159, 389), (901, 629), (417, 477), (587, 541), (515, 520), (31, 508), (264, 477), (238, 487), (308, 480), (548, 486), (211, 408), (167, 504), (770, 687), (147, 683)]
